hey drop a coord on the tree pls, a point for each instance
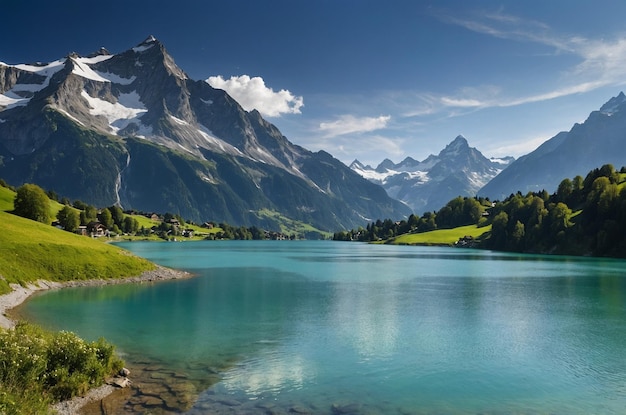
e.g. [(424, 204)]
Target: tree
[(565, 190), (131, 225), (32, 202), (106, 218), (68, 218), (90, 214), (117, 214)]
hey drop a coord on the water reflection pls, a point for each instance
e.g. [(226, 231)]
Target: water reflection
[(366, 315), (268, 373)]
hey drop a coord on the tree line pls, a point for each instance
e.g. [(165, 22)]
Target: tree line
[(32, 202), (585, 216), (460, 211)]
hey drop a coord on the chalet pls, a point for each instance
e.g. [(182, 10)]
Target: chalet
[(97, 229), (188, 233)]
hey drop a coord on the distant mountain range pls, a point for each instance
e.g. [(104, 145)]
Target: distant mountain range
[(133, 129), (600, 140), (458, 170)]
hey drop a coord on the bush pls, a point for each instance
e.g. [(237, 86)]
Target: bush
[(39, 366), (32, 202)]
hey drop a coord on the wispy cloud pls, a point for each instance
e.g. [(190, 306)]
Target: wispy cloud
[(601, 62), (252, 93), (349, 124), (522, 146), (368, 148)]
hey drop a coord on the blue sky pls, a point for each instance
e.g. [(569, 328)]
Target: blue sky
[(365, 79)]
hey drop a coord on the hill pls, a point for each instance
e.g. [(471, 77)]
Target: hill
[(30, 251)]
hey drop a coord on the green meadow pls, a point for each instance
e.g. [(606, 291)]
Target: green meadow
[(440, 236)]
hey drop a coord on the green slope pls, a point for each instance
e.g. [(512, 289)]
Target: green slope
[(30, 251), (440, 236), (6, 198)]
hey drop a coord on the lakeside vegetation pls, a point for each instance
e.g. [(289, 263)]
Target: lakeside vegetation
[(585, 216), (441, 236), (38, 368), (30, 251)]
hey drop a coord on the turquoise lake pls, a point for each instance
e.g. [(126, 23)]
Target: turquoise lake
[(334, 327)]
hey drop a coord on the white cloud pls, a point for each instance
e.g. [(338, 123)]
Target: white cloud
[(349, 124), (252, 93)]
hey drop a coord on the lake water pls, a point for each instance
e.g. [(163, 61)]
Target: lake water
[(333, 327)]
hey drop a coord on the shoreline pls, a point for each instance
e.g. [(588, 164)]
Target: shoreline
[(19, 294)]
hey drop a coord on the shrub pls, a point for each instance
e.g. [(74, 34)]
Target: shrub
[(39, 366)]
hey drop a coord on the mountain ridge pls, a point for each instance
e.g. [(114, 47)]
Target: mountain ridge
[(85, 126), (599, 140), (458, 170)]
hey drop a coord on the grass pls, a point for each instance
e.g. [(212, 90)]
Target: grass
[(7, 196), (30, 251), (440, 236), (290, 226)]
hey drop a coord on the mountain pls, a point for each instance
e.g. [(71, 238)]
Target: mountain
[(458, 170), (599, 140), (133, 129)]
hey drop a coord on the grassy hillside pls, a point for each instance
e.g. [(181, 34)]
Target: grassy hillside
[(30, 251), (289, 226), (6, 198), (440, 236)]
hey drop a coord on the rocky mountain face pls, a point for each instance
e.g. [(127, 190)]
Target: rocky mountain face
[(458, 170), (600, 140), (133, 129)]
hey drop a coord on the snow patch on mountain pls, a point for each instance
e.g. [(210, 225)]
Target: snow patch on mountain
[(217, 143), (46, 70), (458, 170), (20, 94), (116, 79), (10, 100), (81, 67), (120, 114)]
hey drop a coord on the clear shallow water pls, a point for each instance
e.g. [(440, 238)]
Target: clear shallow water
[(392, 329)]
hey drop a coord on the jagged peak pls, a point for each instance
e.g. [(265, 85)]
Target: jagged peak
[(460, 139), (357, 164), (385, 165), (409, 160), (457, 145), (148, 43), (150, 39), (613, 105), (100, 52)]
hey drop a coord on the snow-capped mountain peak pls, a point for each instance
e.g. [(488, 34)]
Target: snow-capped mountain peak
[(458, 146), (458, 170), (132, 128)]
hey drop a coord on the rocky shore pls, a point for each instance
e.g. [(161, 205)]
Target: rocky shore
[(20, 294)]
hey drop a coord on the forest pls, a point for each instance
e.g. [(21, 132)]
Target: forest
[(585, 216)]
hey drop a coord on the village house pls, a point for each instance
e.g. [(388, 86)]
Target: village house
[(96, 229)]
